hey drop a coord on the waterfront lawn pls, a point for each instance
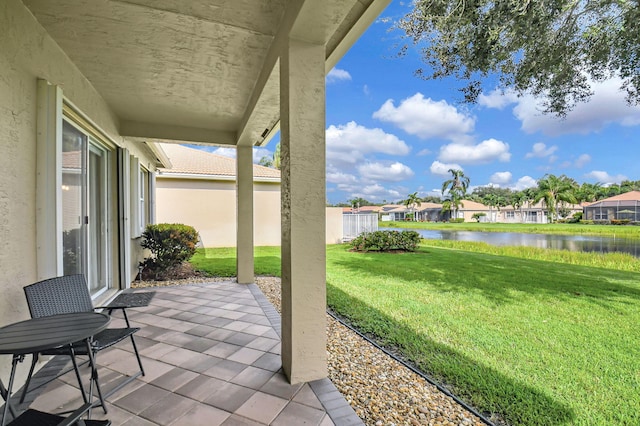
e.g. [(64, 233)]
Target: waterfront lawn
[(536, 342), (618, 231)]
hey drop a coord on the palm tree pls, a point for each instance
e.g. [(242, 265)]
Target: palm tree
[(457, 189), (458, 182), (588, 191), (517, 200), (553, 190), (276, 157), (412, 202), (493, 200)]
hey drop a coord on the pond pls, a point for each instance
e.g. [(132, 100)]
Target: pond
[(588, 243)]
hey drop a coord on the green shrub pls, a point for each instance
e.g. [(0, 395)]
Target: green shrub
[(586, 222), (386, 241), (457, 220), (620, 221), (170, 245)]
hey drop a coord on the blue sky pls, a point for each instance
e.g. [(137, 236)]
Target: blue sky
[(390, 133)]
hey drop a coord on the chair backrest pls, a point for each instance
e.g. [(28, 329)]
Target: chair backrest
[(60, 295)]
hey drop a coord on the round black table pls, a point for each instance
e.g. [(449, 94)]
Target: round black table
[(37, 334)]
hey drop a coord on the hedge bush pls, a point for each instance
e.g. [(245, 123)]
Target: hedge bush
[(386, 241), (170, 245), (457, 220)]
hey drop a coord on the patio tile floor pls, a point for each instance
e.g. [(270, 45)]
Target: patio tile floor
[(211, 354)]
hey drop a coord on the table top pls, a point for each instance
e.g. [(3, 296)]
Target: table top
[(131, 300), (37, 334)]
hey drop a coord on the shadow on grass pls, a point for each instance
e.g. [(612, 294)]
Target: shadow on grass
[(500, 279), (482, 387)]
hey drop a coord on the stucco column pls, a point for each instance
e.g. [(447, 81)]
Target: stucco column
[(244, 214), (302, 145)]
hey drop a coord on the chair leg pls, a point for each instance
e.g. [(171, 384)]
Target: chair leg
[(135, 350), (94, 378), (34, 361), (77, 371)]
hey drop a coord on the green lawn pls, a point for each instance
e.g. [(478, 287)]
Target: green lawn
[(619, 231), (537, 341)]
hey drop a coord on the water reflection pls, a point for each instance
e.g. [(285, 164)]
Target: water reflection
[(586, 243)]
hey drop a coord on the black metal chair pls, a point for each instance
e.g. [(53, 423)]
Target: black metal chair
[(33, 417), (68, 294)]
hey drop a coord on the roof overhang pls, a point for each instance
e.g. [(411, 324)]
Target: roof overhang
[(202, 71)]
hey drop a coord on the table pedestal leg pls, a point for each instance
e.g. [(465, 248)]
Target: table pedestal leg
[(7, 403)]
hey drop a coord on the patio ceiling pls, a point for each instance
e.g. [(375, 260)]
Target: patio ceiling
[(203, 71)]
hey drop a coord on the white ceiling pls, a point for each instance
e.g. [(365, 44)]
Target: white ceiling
[(201, 70)]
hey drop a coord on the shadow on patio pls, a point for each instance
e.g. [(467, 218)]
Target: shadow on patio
[(211, 354)]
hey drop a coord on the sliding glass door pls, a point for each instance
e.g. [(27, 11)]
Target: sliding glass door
[(85, 186)]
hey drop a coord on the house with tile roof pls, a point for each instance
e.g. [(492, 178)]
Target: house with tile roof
[(619, 207), (199, 189)]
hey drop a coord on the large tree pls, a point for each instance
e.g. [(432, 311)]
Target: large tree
[(555, 190), (412, 202), (553, 49), (456, 189)]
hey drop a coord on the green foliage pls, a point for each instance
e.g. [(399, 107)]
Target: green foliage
[(477, 216), (620, 221), (170, 245), (386, 241), (551, 49), (457, 220)]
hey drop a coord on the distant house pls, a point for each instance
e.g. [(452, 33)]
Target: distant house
[(431, 212), (361, 210), (619, 207), (200, 190), (535, 212), (468, 208)]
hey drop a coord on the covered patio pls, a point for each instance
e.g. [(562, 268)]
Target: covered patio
[(211, 353), (101, 83)]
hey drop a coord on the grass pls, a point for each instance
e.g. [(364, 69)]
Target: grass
[(618, 231), (537, 341)]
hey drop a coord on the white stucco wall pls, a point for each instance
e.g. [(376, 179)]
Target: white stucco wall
[(210, 207), (27, 53)]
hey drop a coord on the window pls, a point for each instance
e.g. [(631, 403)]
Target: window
[(601, 216), (139, 197), (511, 215), (142, 191)]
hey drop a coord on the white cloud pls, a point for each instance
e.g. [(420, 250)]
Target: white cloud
[(525, 182), (374, 192), (348, 144), (442, 169), (500, 178), (606, 106), (366, 90), (604, 177), (540, 150), (485, 152), (497, 99), (427, 118), (424, 152), (394, 172), (582, 161), (337, 74), (226, 152), (258, 153), (338, 177)]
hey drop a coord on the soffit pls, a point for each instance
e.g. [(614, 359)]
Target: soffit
[(202, 71)]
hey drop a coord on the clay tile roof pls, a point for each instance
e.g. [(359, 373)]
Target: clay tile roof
[(194, 161), (627, 196)]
